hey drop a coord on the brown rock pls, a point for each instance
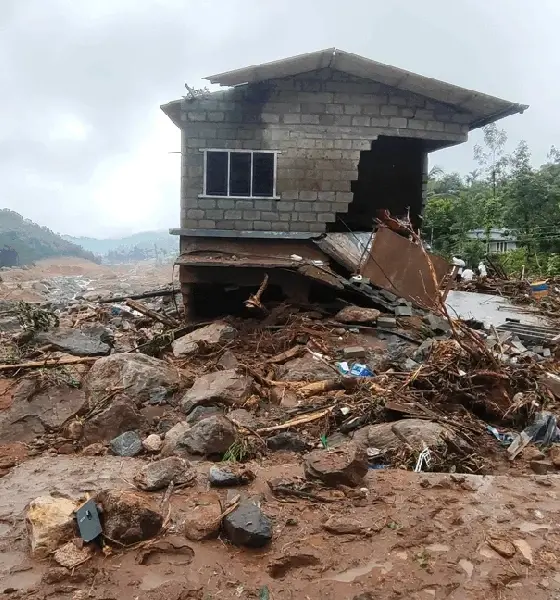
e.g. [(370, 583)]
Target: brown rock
[(75, 429), (67, 448), (278, 566), (172, 438), (228, 360), (118, 417), (343, 465), (203, 515), (553, 455), (221, 387), (96, 449), (541, 467), (283, 396), (70, 555), (503, 547), (357, 314), (50, 522), (128, 516), (343, 526), (531, 452), (211, 336), (416, 432), (159, 474)]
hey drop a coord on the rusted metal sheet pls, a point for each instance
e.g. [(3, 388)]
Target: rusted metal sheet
[(398, 265)]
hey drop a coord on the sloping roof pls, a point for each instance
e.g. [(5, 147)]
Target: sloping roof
[(485, 109)]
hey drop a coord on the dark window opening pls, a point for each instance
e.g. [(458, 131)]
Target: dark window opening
[(240, 174), (263, 174), (216, 173)]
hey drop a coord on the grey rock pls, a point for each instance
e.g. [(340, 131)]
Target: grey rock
[(226, 475), (75, 341), (201, 412), (388, 295), (159, 474), (142, 376), (243, 417), (119, 416), (287, 440), (305, 368), (387, 322), (423, 351), (248, 526), (96, 295), (221, 387), (128, 443), (409, 365), (403, 311), (228, 360), (210, 437), (172, 438), (439, 325), (9, 324), (210, 336)]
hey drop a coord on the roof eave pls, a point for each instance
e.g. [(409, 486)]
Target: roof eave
[(514, 109)]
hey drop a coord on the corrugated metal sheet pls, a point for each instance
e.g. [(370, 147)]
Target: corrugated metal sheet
[(483, 108), (400, 266)]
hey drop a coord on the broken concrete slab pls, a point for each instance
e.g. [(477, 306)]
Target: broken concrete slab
[(346, 464), (85, 342), (357, 314), (142, 377), (221, 387), (215, 334)]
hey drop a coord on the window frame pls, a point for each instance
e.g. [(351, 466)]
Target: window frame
[(229, 152)]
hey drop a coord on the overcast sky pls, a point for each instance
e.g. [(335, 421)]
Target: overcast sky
[(85, 149)]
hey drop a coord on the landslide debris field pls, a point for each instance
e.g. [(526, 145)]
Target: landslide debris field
[(322, 451)]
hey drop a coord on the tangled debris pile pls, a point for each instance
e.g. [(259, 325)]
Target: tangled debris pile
[(348, 388)]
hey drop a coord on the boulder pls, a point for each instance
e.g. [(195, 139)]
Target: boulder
[(118, 417), (128, 516), (143, 378), (201, 412), (416, 432), (210, 336), (50, 523), (75, 341), (172, 438), (226, 475), (210, 437), (287, 440), (152, 443), (222, 387), (159, 474), (248, 526), (357, 314), (346, 465), (128, 443), (202, 517), (305, 368), (32, 412)]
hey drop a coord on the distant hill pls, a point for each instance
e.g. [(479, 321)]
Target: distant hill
[(23, 242), (145, 240)]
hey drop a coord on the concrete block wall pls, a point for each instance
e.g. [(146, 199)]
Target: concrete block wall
[(319, 122)]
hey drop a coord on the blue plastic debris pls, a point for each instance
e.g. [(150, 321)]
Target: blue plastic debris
[(356, 370), (504, 438)]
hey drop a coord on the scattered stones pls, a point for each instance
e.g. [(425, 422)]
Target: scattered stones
[(128, 516), (50, 522), (172, 438), (357, 314), (439, 325), (387, 322), (140, 375), (343, 526), (86, 342), (222, 387), (159, 474), (287, 440), (203, 515), (346, 465), (279, 566), (201, 412), (210, 336), (228, 360), (354, 352), (210, 437), (229, 475), (248, 526), (152, 443), (118, 417), (128, 443)]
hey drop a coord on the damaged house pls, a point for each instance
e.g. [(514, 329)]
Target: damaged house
[(286, 172)]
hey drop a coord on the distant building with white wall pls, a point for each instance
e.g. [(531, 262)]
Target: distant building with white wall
[(498, 240)]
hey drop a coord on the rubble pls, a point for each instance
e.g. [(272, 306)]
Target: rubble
[(221, 387), (248, 526), (50, 522), (128, 517), (344, 465), (159, 474)]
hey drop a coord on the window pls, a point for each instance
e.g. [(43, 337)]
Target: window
[(240, 173)]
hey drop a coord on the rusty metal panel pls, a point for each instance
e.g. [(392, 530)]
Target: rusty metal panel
[(399, 266)]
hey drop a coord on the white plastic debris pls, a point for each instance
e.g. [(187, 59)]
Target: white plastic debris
[(345, 410), (296, 257), (424, 460)]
